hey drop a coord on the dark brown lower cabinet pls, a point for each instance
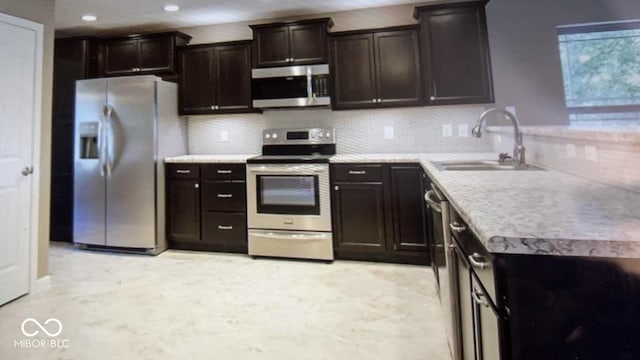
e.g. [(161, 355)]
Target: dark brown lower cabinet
[(183, 209), (378, 213), (359, 219), (213, 216)]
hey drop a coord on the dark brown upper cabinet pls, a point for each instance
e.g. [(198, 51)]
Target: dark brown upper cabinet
[(142, 54), (455, 53), (292, 43), (215, 78), (376, 68)]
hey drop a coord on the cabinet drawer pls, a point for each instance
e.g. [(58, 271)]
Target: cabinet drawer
[(224, 171), (183, 171), (357, 173), (227, 229), (224, 196), (479, 259)]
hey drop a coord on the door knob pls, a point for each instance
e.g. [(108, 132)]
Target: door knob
[(27, 170)]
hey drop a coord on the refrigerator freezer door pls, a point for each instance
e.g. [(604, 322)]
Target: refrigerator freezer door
[(89, 185), (131, 186)]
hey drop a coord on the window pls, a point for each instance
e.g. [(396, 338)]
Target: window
[(601, 73)]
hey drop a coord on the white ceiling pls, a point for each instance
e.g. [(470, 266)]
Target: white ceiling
[(126, 16)]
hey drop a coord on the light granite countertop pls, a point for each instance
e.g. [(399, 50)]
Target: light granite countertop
[(543, 212), (209, 158)]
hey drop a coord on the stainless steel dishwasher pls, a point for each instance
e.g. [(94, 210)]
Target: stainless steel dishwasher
[(445, 267)]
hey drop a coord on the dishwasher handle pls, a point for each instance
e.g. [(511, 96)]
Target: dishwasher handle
[(435, 205)]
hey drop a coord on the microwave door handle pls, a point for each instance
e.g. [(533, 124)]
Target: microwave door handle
[(309, 86)]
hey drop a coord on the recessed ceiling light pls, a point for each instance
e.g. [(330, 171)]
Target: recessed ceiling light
[(89, 17), (171, 7)]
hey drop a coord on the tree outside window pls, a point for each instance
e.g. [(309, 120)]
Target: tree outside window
[(601, 72)]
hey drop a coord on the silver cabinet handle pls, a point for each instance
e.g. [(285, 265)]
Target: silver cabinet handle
[(432, 98), (213, 107), (379, 100), (336, 188), (196, 186), (225, 195), (224, 171), (180, 171), (357, 172), (374, 101), (225, 227), (479, 298), (27, 170), (478, 261), (457, 227)]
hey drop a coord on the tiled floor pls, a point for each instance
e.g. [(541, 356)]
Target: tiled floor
[(188, 305)]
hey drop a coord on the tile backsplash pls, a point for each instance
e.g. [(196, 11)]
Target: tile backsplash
[(417, 129), (607, 157)]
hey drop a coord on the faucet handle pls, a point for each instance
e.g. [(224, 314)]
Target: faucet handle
[(503, 157)]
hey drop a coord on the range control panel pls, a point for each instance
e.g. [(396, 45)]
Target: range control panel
[(299, 136)]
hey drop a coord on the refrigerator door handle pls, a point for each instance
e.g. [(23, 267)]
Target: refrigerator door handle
[(101, 141), (109, 140)]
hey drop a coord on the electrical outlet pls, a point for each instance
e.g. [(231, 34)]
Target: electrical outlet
[(591, 153), (571, 151), (224, 136), (447, 130), (388, 132), (463, 130)]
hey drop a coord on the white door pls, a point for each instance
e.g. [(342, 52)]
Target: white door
[(18, 109)]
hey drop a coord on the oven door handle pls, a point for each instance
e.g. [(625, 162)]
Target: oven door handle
[(292, 170)]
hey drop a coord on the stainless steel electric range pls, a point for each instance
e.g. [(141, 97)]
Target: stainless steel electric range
[(288, 194)]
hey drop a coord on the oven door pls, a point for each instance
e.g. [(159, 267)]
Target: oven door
[(288, 197)]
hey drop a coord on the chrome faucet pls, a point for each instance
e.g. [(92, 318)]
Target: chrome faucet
[(518, 148)]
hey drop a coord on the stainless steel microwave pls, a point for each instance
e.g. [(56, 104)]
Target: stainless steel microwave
[(290, 86)]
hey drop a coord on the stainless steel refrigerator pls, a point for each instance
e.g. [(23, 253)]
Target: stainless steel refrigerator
[(124, 128)]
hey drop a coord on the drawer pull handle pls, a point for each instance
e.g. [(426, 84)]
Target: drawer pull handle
[(224, 171), (357, 172), (225, 227), (225, 195), (457, 227), (179, 171), (479, 298), (478, 261)]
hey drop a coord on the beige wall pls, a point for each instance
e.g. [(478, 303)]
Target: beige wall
[(345, 20), (524, 51), (41, 11)]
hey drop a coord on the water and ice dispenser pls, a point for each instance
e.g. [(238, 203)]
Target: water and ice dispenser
[(89, 140)]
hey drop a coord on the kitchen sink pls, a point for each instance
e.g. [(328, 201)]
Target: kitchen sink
[(461, 165)]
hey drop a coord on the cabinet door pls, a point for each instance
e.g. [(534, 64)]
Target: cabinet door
[(456, 52), (409, 218), (486, 324), (358, 218), (272, 46), (397, 59), (156, 54), (353, 69), (233, 78), (183, 210), (308, 44), (121, 57), (196, 87)]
